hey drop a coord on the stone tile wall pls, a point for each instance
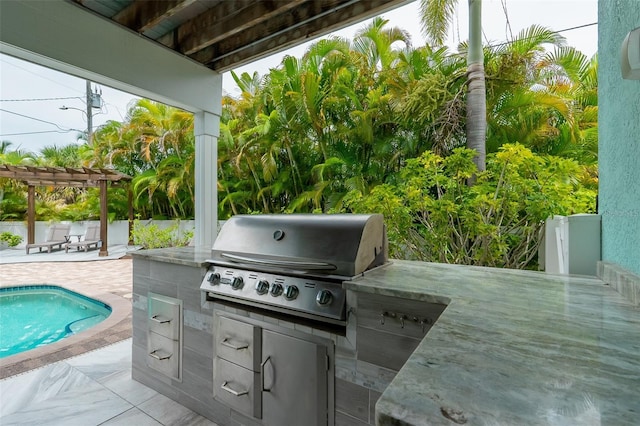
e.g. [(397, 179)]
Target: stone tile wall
[(623, 281)]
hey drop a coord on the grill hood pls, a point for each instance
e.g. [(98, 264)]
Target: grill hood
[(342, 245)]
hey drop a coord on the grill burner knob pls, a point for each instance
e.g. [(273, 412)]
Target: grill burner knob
[(276, 289), (214, 278), (291, 292), (324, 297), (262, 287), (237, 283)]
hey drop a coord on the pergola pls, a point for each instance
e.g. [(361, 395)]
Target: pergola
[(65, 177)]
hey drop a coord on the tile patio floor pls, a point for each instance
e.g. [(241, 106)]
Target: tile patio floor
[(83, 380)]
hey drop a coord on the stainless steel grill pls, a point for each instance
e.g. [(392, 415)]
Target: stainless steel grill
[(294, 263)]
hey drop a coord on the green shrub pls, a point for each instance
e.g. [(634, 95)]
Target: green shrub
[(150, 236), (433, 215), (11, 239)]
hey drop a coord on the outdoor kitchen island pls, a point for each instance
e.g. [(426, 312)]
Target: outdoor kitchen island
[(510, 347)]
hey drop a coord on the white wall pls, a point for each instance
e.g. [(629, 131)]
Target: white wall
[(117, 231)]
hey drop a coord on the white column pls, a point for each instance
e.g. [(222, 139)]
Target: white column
[(207, 128)]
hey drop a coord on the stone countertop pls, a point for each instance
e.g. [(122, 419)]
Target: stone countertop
[(512, 348), (188, 256)]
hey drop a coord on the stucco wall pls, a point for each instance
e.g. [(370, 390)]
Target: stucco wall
[(117, 231), (619, 138)]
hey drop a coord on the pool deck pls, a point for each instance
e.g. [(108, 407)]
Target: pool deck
[(108, 281), (84, 379)]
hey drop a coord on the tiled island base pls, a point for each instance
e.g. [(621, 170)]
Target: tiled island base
[(356, 389), (429, 344)]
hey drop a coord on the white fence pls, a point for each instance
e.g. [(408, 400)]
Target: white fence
[(117, 231)]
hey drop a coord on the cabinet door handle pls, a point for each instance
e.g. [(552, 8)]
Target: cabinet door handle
[(264, 363), (157, 355), (233, 392), (160, 319), (227, 342)]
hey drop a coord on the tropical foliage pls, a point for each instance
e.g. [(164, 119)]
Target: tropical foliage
[(151, 236), (433, 215), (348, 116), (371, 120)]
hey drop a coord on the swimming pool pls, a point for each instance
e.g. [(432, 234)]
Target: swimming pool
[(37, 315)]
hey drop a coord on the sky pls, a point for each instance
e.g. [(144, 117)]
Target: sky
[(31, 96)]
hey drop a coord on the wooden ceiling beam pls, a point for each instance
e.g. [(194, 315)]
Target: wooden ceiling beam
[(293, 29), (223, 21), (231, 33), (272, 29), (142, 15), (183, 38)]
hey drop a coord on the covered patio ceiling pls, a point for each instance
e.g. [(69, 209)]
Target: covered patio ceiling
[(223, 34), (64, 177)]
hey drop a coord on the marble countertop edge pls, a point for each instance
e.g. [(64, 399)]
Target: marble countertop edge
[(512, 347)]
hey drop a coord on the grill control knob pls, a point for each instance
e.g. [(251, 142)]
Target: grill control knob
[(324, 297), (262, 287), (237, 283), (276, 289), (214, 278), (291, 292)]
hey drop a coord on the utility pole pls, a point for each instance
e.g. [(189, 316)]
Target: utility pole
[(93, 100), (89, 113)]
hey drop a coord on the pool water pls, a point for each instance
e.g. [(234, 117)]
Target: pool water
[(37, 315)]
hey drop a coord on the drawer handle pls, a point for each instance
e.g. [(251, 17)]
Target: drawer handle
[(160, 319), (159, 356), (233, 392), (402, 318), (227, 342), (264, 363)]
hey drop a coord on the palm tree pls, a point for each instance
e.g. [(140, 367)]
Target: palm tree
[(15, 157), (64, 156), (428, 90), (522, 107), (437, 15)]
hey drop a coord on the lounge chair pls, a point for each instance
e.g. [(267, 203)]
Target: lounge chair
[(57, 235), (91, 238)]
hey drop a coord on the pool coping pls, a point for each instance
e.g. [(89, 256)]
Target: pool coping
[(114, 328)]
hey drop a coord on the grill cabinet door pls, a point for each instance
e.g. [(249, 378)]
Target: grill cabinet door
[(294, 380)]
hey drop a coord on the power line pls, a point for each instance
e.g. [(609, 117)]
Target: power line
[(529, 38), (578, 27), (35, 133), (506, 17), (37, 119), (39, 99), (554, 32)]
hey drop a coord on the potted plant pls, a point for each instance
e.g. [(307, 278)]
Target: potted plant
[(7, 239)]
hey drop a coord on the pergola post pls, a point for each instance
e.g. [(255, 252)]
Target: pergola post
[(103, 218), (31, 214), (130, 207)]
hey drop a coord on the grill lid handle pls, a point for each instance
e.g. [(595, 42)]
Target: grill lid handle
[(290, 264)]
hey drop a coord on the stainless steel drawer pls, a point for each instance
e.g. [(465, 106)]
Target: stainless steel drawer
[(238, 342), (163, 355), (164, 315), (236, 386)]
